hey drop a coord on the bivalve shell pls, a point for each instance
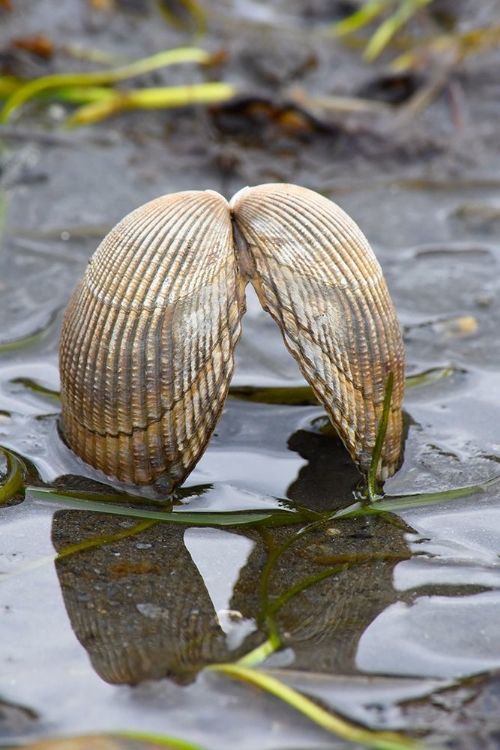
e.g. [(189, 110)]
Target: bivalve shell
[(147, 344), (318, 277), (146, 353)]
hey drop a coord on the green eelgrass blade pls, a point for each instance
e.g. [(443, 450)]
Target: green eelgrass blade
[(8, 85), (31, 385), (428, 377), (391, 26), (81, 94), (80, 742), (14, 481), (154, 98), (262, 652), (32, 338), (201, 518), (418, 500), (294, 395), (192, 10), (290, 593), (324, 719), (379, 442), (158, 739), (104, 77), (368, 12), (303, 395)]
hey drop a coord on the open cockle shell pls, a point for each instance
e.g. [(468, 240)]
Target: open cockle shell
[(148, 337)]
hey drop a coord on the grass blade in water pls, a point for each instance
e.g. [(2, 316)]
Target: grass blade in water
[(159, 739), (105, 77), (14, 481), (389, 28), (32, 338), (185, 518), (405, 502), (324, 719), (360, 18), (303, 395), (119, 740), (154, 98), (8, 85), (428, 377)]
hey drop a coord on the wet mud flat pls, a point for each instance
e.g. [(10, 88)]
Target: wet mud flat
[(390, 619)]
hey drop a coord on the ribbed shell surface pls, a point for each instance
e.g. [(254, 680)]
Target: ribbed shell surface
[(146, 350), (317, 276)]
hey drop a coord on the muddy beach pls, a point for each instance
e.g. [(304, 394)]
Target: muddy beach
[(110, 620)]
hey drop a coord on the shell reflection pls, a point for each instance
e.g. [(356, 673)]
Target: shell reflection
[(145, 608)]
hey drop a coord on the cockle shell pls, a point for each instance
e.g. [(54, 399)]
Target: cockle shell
[(148, 337), (146, 353), (317, 276)]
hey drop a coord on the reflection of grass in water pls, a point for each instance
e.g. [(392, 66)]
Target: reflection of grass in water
[(100, 541), (244, 669)]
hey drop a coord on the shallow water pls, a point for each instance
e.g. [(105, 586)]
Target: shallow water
[(378, 615)]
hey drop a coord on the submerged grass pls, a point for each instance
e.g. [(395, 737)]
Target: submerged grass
[(32, 338), (81, 501), (321, 717), (303, 395), (114, 504), (99, 741), (14, 480), (158, 739), (100, 541)]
